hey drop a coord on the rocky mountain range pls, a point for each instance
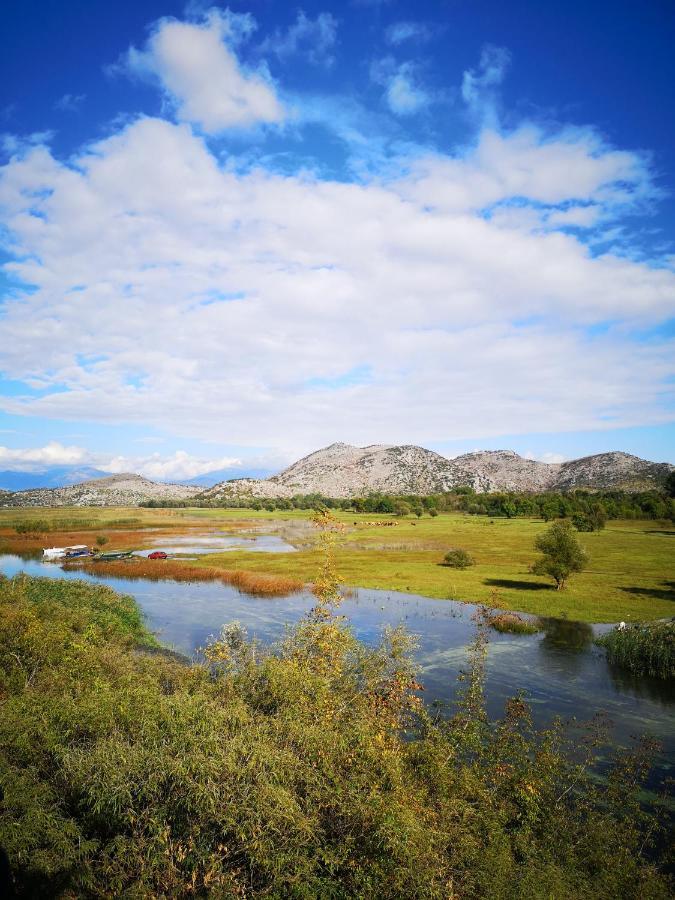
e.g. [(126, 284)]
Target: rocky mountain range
[(126, 489), (342, 471)]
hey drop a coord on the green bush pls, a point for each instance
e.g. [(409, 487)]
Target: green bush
[(643, 649), (309, 770), (458, 559), (512, 623)]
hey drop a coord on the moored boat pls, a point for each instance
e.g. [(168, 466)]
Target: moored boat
[(80, 550), (113, 554), (65, 552)]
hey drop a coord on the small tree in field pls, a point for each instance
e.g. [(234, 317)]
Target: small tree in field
[(561, 553), (457, 558)]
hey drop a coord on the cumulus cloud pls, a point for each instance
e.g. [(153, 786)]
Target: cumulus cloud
[(312, 38), (451, 296), (179, 466), (203, 80), (572, 167), (254, 308), (403, 92), (36, 459)]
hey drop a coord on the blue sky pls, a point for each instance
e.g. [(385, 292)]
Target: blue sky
[(231, 235)]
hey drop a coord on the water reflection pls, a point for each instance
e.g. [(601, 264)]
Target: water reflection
[(217, 542), (564, 634)]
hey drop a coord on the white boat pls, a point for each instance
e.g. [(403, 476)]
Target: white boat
[(61, 552)]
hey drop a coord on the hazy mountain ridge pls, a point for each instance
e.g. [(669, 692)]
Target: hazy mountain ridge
[(342, 470), (125, 489)]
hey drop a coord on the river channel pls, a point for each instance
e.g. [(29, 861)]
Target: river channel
[(559, 670)]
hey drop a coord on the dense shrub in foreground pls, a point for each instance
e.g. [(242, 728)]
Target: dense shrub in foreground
[(286, 772), (643, 649)]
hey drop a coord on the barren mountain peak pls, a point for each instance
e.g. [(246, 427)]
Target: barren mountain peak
[(343, 470)]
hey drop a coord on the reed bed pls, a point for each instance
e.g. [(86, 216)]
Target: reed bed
[(643, 649), (256, 583)]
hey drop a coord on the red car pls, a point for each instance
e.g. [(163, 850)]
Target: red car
[(157, 554)]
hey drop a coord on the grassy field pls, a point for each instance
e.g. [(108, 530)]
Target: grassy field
[(630, 576)]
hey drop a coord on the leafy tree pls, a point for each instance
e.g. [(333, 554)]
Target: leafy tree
[(401, 508), (562, 554), (582, 523), (670, 484), (101, 540), (597, 516)]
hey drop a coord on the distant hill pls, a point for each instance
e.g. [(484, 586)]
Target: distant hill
[(55, 476), (227, 475), (342, 470), (112, 490)]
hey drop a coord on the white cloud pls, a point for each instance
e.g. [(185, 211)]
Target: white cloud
[(528, 164), (400, 32), (33, 459), (179, 466), (202, 78), (312, 38), (575, 216), (546, 457), (256, 309), (403, 92)]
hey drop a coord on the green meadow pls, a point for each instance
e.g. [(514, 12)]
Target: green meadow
[(630, 575)]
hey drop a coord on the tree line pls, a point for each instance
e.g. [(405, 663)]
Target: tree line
[(591, 509)]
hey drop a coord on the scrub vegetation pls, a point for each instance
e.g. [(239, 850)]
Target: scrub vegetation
[(510, 623), (310, 769)]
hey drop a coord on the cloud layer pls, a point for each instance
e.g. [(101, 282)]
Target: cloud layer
[(450, 295), (179, 466)]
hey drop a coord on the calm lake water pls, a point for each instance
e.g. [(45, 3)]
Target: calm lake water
[(217, 542), (560, 670)]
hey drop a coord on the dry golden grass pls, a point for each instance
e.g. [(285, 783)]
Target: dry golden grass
[(118, 539), (256, 583)]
